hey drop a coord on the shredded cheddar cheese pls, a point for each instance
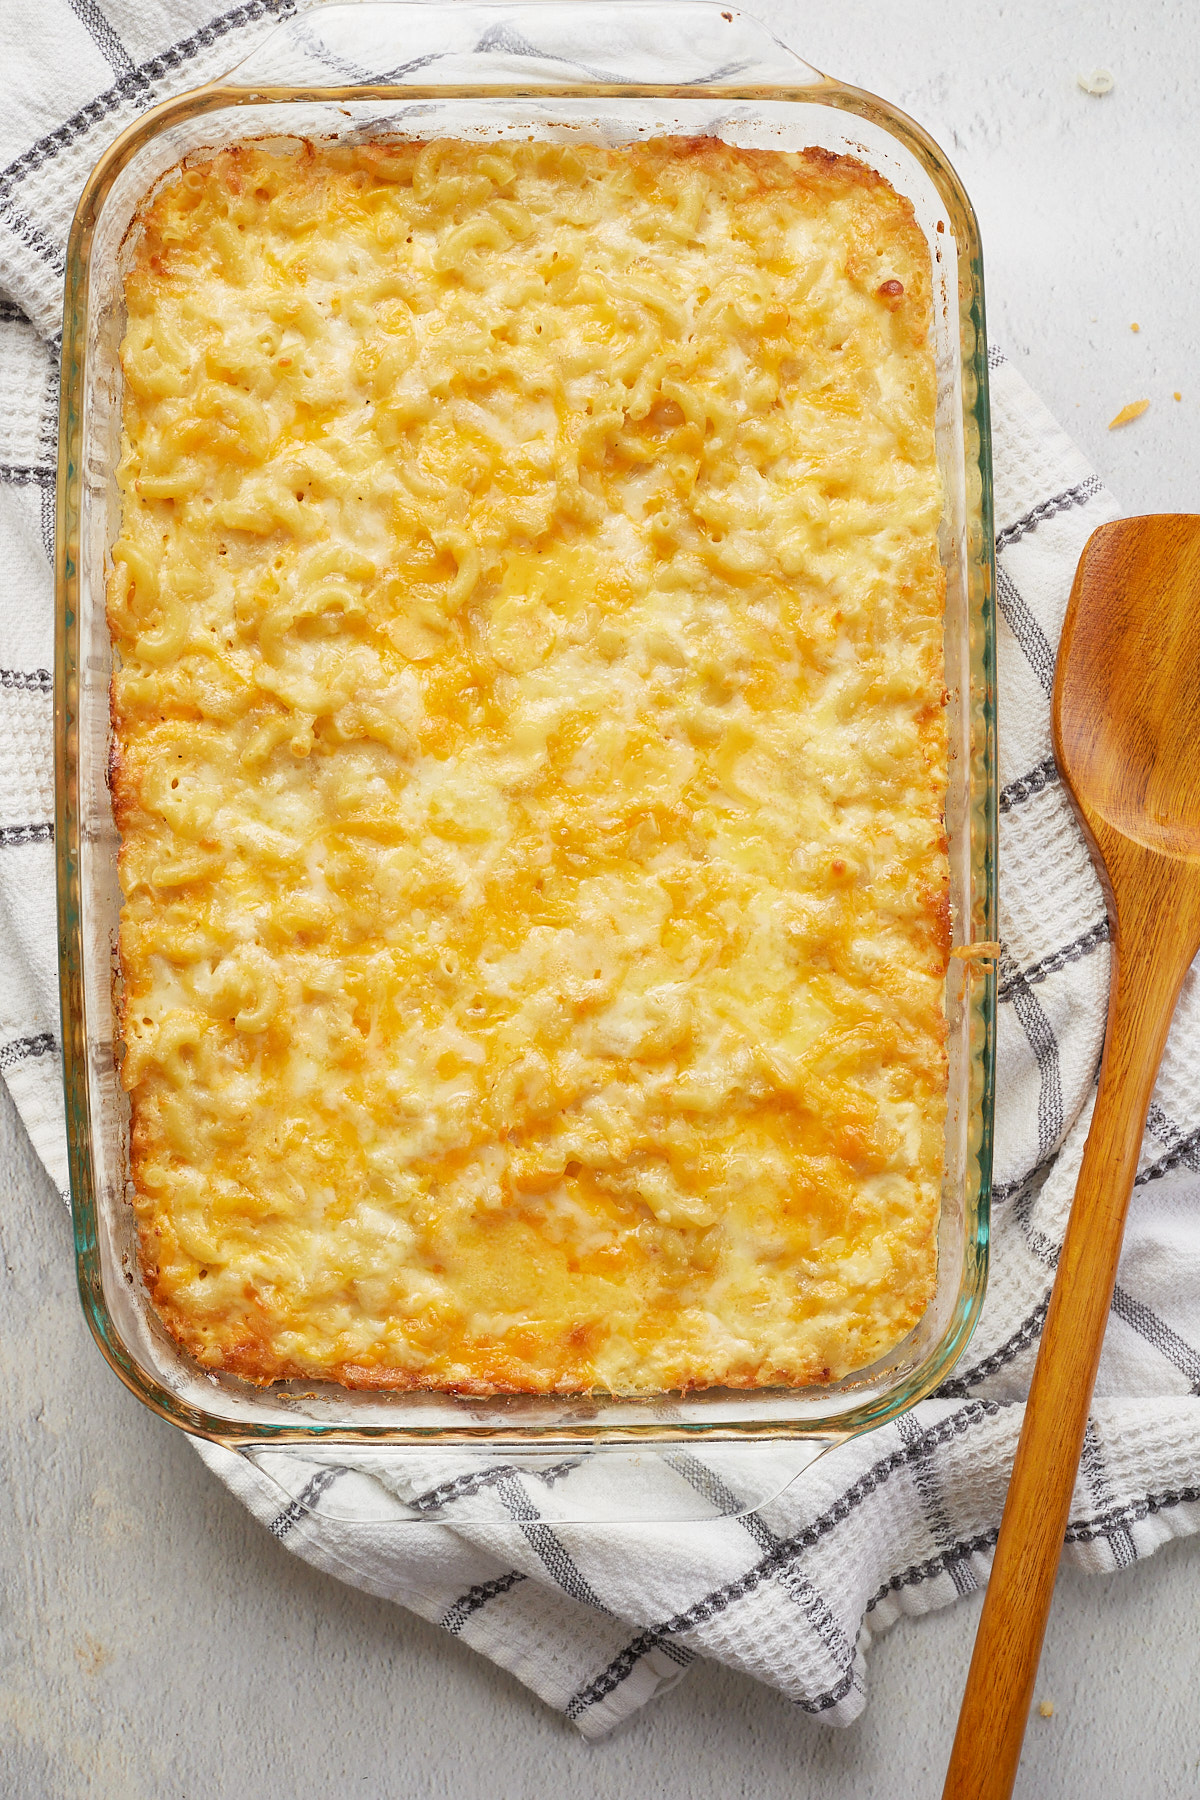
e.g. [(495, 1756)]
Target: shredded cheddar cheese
[(529, 755)]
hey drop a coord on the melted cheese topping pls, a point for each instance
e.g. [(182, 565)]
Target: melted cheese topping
[(529, 755)]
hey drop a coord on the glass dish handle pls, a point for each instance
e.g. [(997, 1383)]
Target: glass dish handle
[(529, 44), (349, 1484)]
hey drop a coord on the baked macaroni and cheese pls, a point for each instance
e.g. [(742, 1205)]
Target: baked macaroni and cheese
[(529, 757)]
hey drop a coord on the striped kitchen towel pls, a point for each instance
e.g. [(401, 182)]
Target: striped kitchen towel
[(598, 1621)]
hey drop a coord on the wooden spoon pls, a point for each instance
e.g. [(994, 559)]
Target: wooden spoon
[(1127, 743)]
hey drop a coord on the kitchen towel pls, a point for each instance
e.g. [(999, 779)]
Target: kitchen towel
[(903, 1520)]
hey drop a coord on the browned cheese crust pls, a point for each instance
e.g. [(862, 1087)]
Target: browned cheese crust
[(529, 756)]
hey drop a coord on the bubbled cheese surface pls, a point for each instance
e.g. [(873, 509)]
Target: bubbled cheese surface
[(529, 755)]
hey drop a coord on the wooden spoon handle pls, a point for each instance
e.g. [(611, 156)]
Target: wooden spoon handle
[(995, 1707)]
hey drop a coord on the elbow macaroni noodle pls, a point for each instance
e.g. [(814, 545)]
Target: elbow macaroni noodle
[(529, 756)]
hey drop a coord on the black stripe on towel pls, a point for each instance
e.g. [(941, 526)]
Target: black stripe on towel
[(40, 833), (1046, 509), (475, 1597), (26, 1048), (1025, 628)]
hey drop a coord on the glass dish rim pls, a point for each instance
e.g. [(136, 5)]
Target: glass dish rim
[(848, 1422)]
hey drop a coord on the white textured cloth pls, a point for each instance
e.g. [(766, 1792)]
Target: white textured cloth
[(597, 1621)]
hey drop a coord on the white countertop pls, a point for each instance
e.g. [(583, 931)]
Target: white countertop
[(161, 1646)]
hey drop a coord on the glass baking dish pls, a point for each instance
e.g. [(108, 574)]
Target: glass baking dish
[(610, 72)]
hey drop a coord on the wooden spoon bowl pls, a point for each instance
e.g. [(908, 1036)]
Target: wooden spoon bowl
[(1127, 694), (1126, 717)]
